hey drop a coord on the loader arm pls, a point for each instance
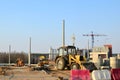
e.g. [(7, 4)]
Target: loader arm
[(75, 59)]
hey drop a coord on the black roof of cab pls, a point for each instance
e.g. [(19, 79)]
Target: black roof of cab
[(65, 47)]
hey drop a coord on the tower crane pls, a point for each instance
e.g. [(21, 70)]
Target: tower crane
[(92, 37)]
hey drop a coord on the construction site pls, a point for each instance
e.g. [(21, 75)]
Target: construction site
[(59, 40), (71, 65), (65, 63)]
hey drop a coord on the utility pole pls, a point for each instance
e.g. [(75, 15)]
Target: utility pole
[(88, 51), (63, 33), (9, 53), (73, 39), (29, 54)]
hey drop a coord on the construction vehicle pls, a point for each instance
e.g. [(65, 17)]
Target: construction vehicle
[(43, 64), (42, 61), (69, 58), (19, 62)]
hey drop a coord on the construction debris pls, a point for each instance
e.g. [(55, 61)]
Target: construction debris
[(2, 71)]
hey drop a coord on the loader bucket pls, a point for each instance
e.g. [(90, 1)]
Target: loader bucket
[(89, 66)]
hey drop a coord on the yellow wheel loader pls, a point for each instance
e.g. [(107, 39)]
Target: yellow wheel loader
[(69, 58), (43, 61)]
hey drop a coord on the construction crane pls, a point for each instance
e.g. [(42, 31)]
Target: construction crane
[(92, 36)]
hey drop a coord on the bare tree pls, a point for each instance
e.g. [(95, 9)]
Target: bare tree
[(4, 57)]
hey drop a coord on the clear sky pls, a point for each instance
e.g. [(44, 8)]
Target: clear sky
[(42, 21)]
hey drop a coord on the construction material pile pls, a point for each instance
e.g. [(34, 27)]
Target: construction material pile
[(2, 70)]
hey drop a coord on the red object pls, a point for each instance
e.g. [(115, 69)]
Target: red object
[(115, 74), (80, 75)]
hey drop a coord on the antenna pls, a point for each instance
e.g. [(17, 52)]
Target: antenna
[(92, 37)]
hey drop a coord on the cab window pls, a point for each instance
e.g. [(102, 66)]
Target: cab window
[(62, 52), (71, 51)]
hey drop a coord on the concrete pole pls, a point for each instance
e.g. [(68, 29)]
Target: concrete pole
[(73, 39), (29, 54), (9, 53), (88, 55), (63, 33), (50, 53)]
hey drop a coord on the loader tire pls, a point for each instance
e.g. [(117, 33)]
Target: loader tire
[(75, 66), (60, 63)]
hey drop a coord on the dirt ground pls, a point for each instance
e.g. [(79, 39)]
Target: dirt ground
[(27, 73)]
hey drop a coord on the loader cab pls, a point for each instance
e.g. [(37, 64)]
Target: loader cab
[(66, 50), (69, 58)]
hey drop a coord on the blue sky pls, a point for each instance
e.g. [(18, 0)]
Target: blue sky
[(42, 21)]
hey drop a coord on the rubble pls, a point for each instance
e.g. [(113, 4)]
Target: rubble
[(2, 70)]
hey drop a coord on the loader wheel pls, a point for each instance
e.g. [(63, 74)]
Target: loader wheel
[(75, 66), (60, 63)]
